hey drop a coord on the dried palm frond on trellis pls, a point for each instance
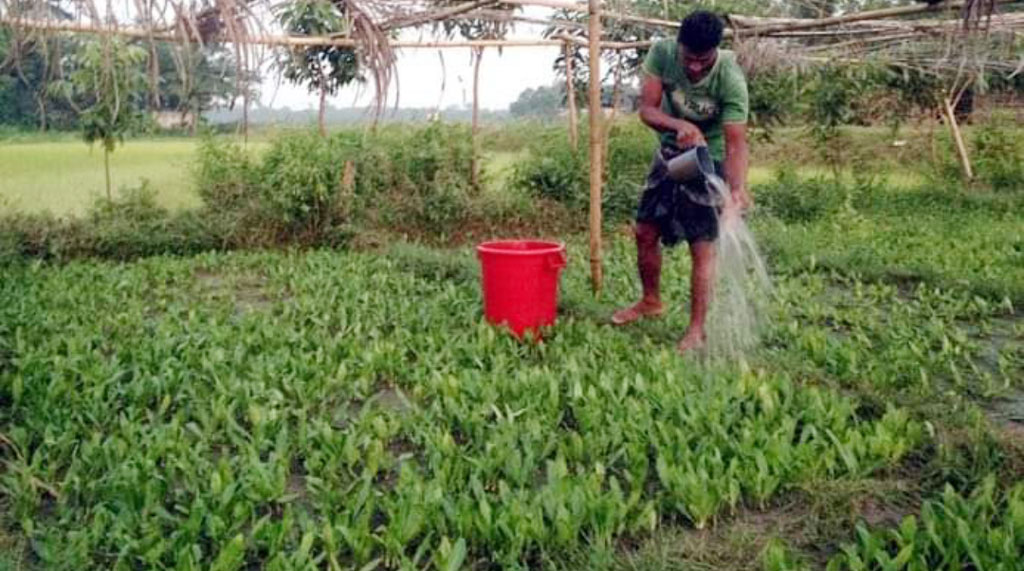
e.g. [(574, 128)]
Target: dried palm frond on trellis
[(966, 38)]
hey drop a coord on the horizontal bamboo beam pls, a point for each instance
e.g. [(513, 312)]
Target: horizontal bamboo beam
[(584, 9), (300, 41), (869, 15), (423, 18)]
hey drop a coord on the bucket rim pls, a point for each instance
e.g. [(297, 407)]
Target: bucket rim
[(491, 247)]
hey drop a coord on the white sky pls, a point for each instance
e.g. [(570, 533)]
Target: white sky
[(502, 76)]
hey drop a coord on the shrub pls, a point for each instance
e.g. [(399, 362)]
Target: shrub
[(795, 200), (423, 173), (225, 176), (554, 171), (409, 177), (301, 178), (997, 152)]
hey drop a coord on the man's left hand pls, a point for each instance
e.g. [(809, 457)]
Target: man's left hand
[(742, 200)]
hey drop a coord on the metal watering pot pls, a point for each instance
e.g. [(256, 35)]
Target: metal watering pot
[(696, 170)]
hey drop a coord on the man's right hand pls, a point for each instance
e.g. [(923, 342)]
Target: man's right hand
[(689, 135)]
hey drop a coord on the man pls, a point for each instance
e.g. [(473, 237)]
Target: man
[(693, 94)]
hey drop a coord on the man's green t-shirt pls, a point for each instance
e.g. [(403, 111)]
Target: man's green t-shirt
[(720, 97)]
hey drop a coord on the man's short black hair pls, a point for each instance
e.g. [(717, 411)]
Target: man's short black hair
[(701, 31)]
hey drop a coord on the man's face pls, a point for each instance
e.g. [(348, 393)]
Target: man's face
[(697, 64)]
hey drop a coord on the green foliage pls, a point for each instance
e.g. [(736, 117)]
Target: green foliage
[(773, 101), (930, 235), (322, 69), (416, 177), (794, 199), (107, 79), (543, 101), (266, 412), (301, 177), (901, 92), (26, 67), (286, 420), (197, 78), (982, 531), (777, 557), (552, 170), (127, 227), (833, 90), (997, 151), (226, 177)]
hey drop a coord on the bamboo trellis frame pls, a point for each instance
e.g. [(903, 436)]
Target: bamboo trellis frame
[(860, 26)]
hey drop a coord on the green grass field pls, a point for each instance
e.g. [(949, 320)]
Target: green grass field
[(64, 176)]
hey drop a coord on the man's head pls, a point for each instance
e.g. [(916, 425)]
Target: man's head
[(700, 33)]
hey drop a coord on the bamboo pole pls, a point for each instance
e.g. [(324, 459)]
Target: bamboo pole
[(301, 41), (596, 136), (584, 9), (750, 24), (266, 40), (424, 18), (861, 42), (862, 17), (746, 24), (498, 16), (556, 4), (570, 94), (961, 148), (307, 41), (616, 90), (478, 55)]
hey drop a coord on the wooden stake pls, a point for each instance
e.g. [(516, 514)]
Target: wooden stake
[(570, 93), (478, 54), (348, 178), (596, 136), (616, 91), (961, 149)]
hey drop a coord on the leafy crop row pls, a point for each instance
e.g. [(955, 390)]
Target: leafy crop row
[(339, 411), (982, 531)]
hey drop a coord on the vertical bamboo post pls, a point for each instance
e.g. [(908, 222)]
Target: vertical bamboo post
[(961, 149), (478, 54), (596, 146), (570, 93), (616, 101)]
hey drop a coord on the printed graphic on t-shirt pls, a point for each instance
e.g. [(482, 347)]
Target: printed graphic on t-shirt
[(696, 108)]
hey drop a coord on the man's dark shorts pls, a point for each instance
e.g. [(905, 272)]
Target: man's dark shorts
[(665, 204)]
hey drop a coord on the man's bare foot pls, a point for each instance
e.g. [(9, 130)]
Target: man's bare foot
[(694, 340), (638, 311)]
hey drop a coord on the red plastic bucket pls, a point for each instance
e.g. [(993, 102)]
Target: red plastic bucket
[(520, 282)]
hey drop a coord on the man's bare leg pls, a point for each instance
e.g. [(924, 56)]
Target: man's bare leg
[(702, 276), (648, 261)]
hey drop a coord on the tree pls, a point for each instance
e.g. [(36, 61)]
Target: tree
[(27, 65), (544, 101), (195, 79), (106, 82), (322, 69)]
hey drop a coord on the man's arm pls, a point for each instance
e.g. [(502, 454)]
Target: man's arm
[(651, 114), (737, 161)]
